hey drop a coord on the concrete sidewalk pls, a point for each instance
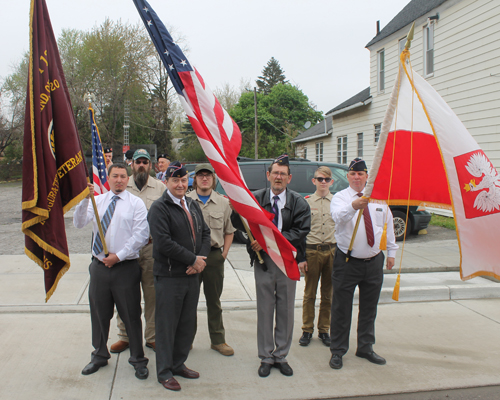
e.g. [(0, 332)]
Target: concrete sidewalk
[(429, 343)]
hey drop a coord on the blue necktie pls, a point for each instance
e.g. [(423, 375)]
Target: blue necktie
[(98, 247), (276, 210)]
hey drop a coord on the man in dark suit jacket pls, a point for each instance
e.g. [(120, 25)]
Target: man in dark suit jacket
[(275, 291), (181, 243)]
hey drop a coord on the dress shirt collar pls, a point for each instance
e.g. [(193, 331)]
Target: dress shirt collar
[(176, 200), (352, 192), (282, 198)]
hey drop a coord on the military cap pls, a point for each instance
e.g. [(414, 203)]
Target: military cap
[(108, 150), (358, 165), (282, 160), (164, 155), (175, 170)]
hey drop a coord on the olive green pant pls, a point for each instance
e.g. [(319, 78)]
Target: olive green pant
[(148, 290), (319, 266), (212, 278)]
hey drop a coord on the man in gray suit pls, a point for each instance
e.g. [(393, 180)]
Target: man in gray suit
[(275, 291)]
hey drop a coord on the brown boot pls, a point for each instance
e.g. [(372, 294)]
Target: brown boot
[(223, 348), (151, 345), (119, 346)]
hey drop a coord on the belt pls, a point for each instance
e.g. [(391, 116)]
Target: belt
[(320, 247), (213, 248), (360, 259)]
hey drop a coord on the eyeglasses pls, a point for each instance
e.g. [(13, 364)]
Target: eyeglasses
[(139, 162), (281, 174), (204, 176), (321, 179)]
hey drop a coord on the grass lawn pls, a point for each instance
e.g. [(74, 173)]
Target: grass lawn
[(439, 220)]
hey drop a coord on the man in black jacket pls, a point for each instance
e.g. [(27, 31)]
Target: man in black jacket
[(275, 291), (181, 243)]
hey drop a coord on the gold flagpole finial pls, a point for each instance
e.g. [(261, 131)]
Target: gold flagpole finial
[(409, 37)]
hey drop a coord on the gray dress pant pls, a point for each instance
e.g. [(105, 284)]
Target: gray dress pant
[(275, 294), (175, 321), (120, 286)]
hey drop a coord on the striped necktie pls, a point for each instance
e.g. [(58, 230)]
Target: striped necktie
[(98, 247), (370, 237), (276, 210), (189, 218)]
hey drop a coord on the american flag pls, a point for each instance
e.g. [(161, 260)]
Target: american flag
[(220, 139), (99, 172)]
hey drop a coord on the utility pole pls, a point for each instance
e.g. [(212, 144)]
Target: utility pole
[(255, 104), (126, 126)]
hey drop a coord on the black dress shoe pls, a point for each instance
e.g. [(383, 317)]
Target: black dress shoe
[(305, 339), (325, 338), (336, 361), (264, 369), (142, 372), (372, 357), (284, 368), (90, 368)]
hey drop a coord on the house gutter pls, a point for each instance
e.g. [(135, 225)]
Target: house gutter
[(360, 104), (311, 137)]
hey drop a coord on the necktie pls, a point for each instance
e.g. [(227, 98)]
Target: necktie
[(183, 203), (370, 237), (98, 247), (276, 210)]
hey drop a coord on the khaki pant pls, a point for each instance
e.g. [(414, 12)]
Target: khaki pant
[(148, 289), (319, 265)]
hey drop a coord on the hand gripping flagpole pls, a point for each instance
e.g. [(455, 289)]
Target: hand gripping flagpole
[(251, 238), (94, 205), (349, 250)]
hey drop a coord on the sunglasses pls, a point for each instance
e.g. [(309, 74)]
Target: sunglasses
[(320, 179), (139, 162)]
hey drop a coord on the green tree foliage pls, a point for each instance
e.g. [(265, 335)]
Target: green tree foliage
[(281, 114), (272, 74), (191, 150)]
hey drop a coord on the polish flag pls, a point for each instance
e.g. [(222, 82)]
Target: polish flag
[(426, 156)]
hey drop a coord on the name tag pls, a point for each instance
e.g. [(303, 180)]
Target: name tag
[(379, 209)]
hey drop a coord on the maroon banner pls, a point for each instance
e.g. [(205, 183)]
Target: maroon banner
[(54, 172)]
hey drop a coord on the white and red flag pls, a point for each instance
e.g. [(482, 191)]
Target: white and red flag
[(220, 139), (99, 170), (426, 156)]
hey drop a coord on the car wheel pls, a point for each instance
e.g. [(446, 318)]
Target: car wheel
[(400, 225), (241, 237)]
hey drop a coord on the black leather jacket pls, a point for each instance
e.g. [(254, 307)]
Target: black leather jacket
[(296, 217), (173, 245)]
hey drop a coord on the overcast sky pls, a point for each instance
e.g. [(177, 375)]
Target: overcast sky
[(320, 44)]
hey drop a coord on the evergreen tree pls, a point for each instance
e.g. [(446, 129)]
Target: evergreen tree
[(272, 74)]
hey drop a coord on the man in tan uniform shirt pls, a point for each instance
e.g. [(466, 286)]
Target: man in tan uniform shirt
[(148, 189), (320, 250), (217, 215)]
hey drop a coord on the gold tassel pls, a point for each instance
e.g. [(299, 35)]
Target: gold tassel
[(395, 293), (383, 239)]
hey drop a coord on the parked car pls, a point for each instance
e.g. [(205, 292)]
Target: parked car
[(254, 173)]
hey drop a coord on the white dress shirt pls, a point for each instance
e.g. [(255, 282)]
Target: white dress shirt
[(281, 205), (128, 230), (345, 217), (178, 201)]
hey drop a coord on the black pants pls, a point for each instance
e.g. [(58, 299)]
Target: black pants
[(120, 286), (175, 322), (368, 276)]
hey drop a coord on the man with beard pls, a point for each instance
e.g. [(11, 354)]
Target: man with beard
[(148, 189)]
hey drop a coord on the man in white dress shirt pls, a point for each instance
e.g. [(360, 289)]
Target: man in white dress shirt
[(115, 277), (364, 268)]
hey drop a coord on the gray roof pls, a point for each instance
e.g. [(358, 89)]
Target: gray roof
[(358, 98), (413, 10), (316, 130)]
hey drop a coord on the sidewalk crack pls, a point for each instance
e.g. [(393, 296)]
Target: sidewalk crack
[(114, 377), (475, 311)]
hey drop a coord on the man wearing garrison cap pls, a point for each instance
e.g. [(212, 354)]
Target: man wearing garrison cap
[(181, 243), (364, 267), (275, 291)]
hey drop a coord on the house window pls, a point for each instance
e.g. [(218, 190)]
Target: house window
[(305, 153), (429, 49), (401, 45), (378, 128), (381, 70), (360, 145), (319, 151), (342, 149)]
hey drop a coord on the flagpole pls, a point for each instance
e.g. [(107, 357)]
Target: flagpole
[(251, 238), (94, 205), (348, 255)]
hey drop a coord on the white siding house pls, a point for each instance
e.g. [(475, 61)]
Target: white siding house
[(456, 47)]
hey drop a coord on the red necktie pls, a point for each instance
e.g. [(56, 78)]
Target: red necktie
[(191, 219), (370, 237)]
